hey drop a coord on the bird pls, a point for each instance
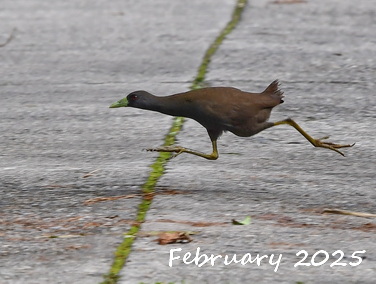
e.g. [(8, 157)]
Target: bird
[(221, 109)]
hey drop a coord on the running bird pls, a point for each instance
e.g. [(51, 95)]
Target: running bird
[(221, 109)]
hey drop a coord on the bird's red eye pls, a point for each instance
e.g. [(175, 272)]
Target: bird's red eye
[(133, 97)]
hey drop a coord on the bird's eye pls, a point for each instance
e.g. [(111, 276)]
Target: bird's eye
[(133, 97)]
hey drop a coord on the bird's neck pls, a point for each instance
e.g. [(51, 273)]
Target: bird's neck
[(168, 105)]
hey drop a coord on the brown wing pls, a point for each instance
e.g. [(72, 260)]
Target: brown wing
[(225, 108)]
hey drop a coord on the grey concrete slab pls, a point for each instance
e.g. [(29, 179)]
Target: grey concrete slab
[(324, 54), (67, 62)]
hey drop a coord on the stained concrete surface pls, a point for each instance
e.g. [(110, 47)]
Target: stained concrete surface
[(68, 61), (324, 55)]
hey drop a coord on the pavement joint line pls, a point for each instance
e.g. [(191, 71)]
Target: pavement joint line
[(158, 167)]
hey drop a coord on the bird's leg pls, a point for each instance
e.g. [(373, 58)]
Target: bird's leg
[(178, 150), (314, 142)]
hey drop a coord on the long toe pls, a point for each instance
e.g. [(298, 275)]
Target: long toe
[(337, 146), (343, 146), (175, 149)]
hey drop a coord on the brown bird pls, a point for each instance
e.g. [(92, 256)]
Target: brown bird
[(221, 109)]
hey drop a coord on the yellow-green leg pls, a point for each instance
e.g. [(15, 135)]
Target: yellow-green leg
[(178, 150), (314, 142)]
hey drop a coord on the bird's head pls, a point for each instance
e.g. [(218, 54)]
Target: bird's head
[(138, 99)]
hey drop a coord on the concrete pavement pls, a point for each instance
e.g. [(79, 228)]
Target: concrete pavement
[(68, 61)]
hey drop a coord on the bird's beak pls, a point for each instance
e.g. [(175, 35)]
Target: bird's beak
[(121, 103)]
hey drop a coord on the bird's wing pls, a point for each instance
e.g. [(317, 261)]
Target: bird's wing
[(225, 108)]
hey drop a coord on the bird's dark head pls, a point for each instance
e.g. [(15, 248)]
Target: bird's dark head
[(137, 99)]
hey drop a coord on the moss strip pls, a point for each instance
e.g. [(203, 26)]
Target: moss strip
[(202, 70), (158, 167)]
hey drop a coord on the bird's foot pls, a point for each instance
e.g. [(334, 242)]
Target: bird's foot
[(172, 149), (329, 145), (178, 150)]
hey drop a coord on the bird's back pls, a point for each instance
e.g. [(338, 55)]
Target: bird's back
[(226, 108)]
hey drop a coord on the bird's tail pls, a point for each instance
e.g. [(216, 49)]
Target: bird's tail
[(274, 90)]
